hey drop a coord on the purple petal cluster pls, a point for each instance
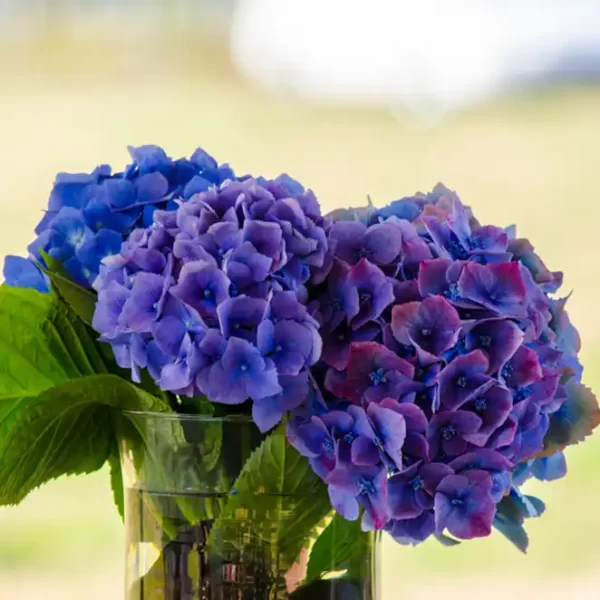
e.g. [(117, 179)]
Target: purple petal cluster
[(209, 298), (445, 370), (89, 215)]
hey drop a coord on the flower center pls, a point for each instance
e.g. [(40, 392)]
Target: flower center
[(328, 446), (461, 381), (493, 295), (452, 292), (416, 483), (449, 432), (349, 437), (335, 304), (364, 298), (476, 242), (457, 502), (523, 392), (457, 250), (365, 486), (278, 348), (485, 340), (506, 371), (377, 377), (480, 404), (243, 367), (425, 332)]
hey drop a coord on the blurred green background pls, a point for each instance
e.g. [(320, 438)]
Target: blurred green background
[(74, 97)]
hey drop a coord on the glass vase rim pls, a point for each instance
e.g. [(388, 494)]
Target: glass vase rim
[(175, 416)]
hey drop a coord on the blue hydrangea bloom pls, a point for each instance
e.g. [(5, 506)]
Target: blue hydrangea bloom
[(89, 215)]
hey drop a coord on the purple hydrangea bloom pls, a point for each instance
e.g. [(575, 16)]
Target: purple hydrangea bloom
[(218, 288), (468, 349)]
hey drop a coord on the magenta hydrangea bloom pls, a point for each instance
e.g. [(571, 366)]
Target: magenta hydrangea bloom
[(430, 316)]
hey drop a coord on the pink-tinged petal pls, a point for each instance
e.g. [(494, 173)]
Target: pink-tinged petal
[(489, 238), (498, 338), (406, 291), (522, 369), (432, 276), (498, 287), (464, 505), (335, 382), (438, 326), (463, 379), (413, 416), (403, 316)]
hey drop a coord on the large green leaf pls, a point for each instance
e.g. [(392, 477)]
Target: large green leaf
[(42, 343), (81, 300), (342, 546), (278, 494), (68, 429)]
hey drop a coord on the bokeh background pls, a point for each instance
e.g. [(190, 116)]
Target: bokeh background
[(499, 100)]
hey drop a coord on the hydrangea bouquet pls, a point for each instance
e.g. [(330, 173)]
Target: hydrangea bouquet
[(406, 367)]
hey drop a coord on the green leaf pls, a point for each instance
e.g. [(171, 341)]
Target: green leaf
[(342, 546), (116, 482), (42, 343), (446, 540), (574, 421), (280, 496), (81, 300), (66, 430)]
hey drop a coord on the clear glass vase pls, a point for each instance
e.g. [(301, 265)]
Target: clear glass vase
[(215, 512)]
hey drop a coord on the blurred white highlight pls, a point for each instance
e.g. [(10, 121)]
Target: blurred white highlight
[(425, 55)]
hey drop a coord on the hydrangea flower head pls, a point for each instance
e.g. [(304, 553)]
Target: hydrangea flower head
[(90, 215), (209, 297), (429, 316)]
